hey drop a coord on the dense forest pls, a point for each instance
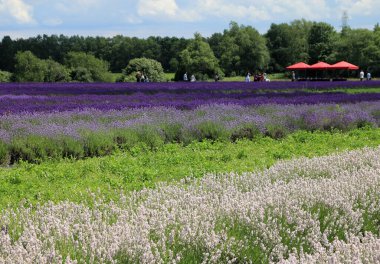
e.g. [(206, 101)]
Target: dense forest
[(236, 50)]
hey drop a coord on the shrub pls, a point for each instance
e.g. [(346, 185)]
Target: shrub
[(210, 130), (149, 67), (5, 76), (4, 154), (71, 148), (276, 131), (97, 144), (87, 68), (172, 132), (34, 149), (29, 68), (248, 131), (152, 137), (56, 72), (125, 138)]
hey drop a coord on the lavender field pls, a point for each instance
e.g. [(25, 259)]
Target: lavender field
[(71, 154), (39, 121), (320, 210), (16, 98)]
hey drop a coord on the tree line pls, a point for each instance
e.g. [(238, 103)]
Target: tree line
[(235, 51)]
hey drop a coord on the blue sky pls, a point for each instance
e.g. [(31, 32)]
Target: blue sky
[(143, 18)]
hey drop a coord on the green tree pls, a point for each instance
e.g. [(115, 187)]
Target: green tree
[(29, 68), (7, 54), (321, 42), (240, 49), (82, 64), (288, 43), (5, 76), (151, 69), (198, 59), (56, 72), (229, 56), (360, 47)]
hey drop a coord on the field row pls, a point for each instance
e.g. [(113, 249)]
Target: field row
[(86, 133), (12, 104), (318, 210), (139, 167), (177, 87)]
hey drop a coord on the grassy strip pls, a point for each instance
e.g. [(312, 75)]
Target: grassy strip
[(141, 167), (337, 90), (357, 90)]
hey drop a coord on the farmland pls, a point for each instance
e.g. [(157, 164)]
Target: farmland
[(231, 172)]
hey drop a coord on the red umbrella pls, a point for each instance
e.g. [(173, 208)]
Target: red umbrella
[(298, 66), (344, 66), (320, 66)]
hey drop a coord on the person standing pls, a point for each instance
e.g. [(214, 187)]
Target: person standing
[(248, 77), (293, 76), (216, 77), (369, 77), (361, 75), (138, 76), (185, 77)]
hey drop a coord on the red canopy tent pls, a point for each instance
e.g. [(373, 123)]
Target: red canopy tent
[(320, 66), (343, 65), (298, 66)]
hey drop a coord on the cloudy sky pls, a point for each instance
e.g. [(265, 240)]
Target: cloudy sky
[(181, 18)]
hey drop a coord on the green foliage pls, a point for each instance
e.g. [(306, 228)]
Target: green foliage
[(81, 74), (138, 166), (198, 59), (150, 68), (240, 49), (288, 43), (29, 68), (87, 68), (211, 131), (97, 144), (5, 76), (56, 72), (321, 40), (38, 148), (245, 131), (4, 154), (361, 47)]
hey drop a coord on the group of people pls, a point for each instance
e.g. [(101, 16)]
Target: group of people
[(185, 78), (361, 76), (260, 77), (141, 77)]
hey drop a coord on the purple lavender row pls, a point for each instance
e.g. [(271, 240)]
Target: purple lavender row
[(27, 103), (227, 118), (177, 87)]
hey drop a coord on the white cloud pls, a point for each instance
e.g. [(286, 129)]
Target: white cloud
[(78, 6), (165, 9), (252, 10), (157, 7), (362, 7), (281, 9), (18, 10)]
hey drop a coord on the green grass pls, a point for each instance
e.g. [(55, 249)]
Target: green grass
[(356, 90), (141, 167), (169, 76), (272, 77), (115, 76)]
